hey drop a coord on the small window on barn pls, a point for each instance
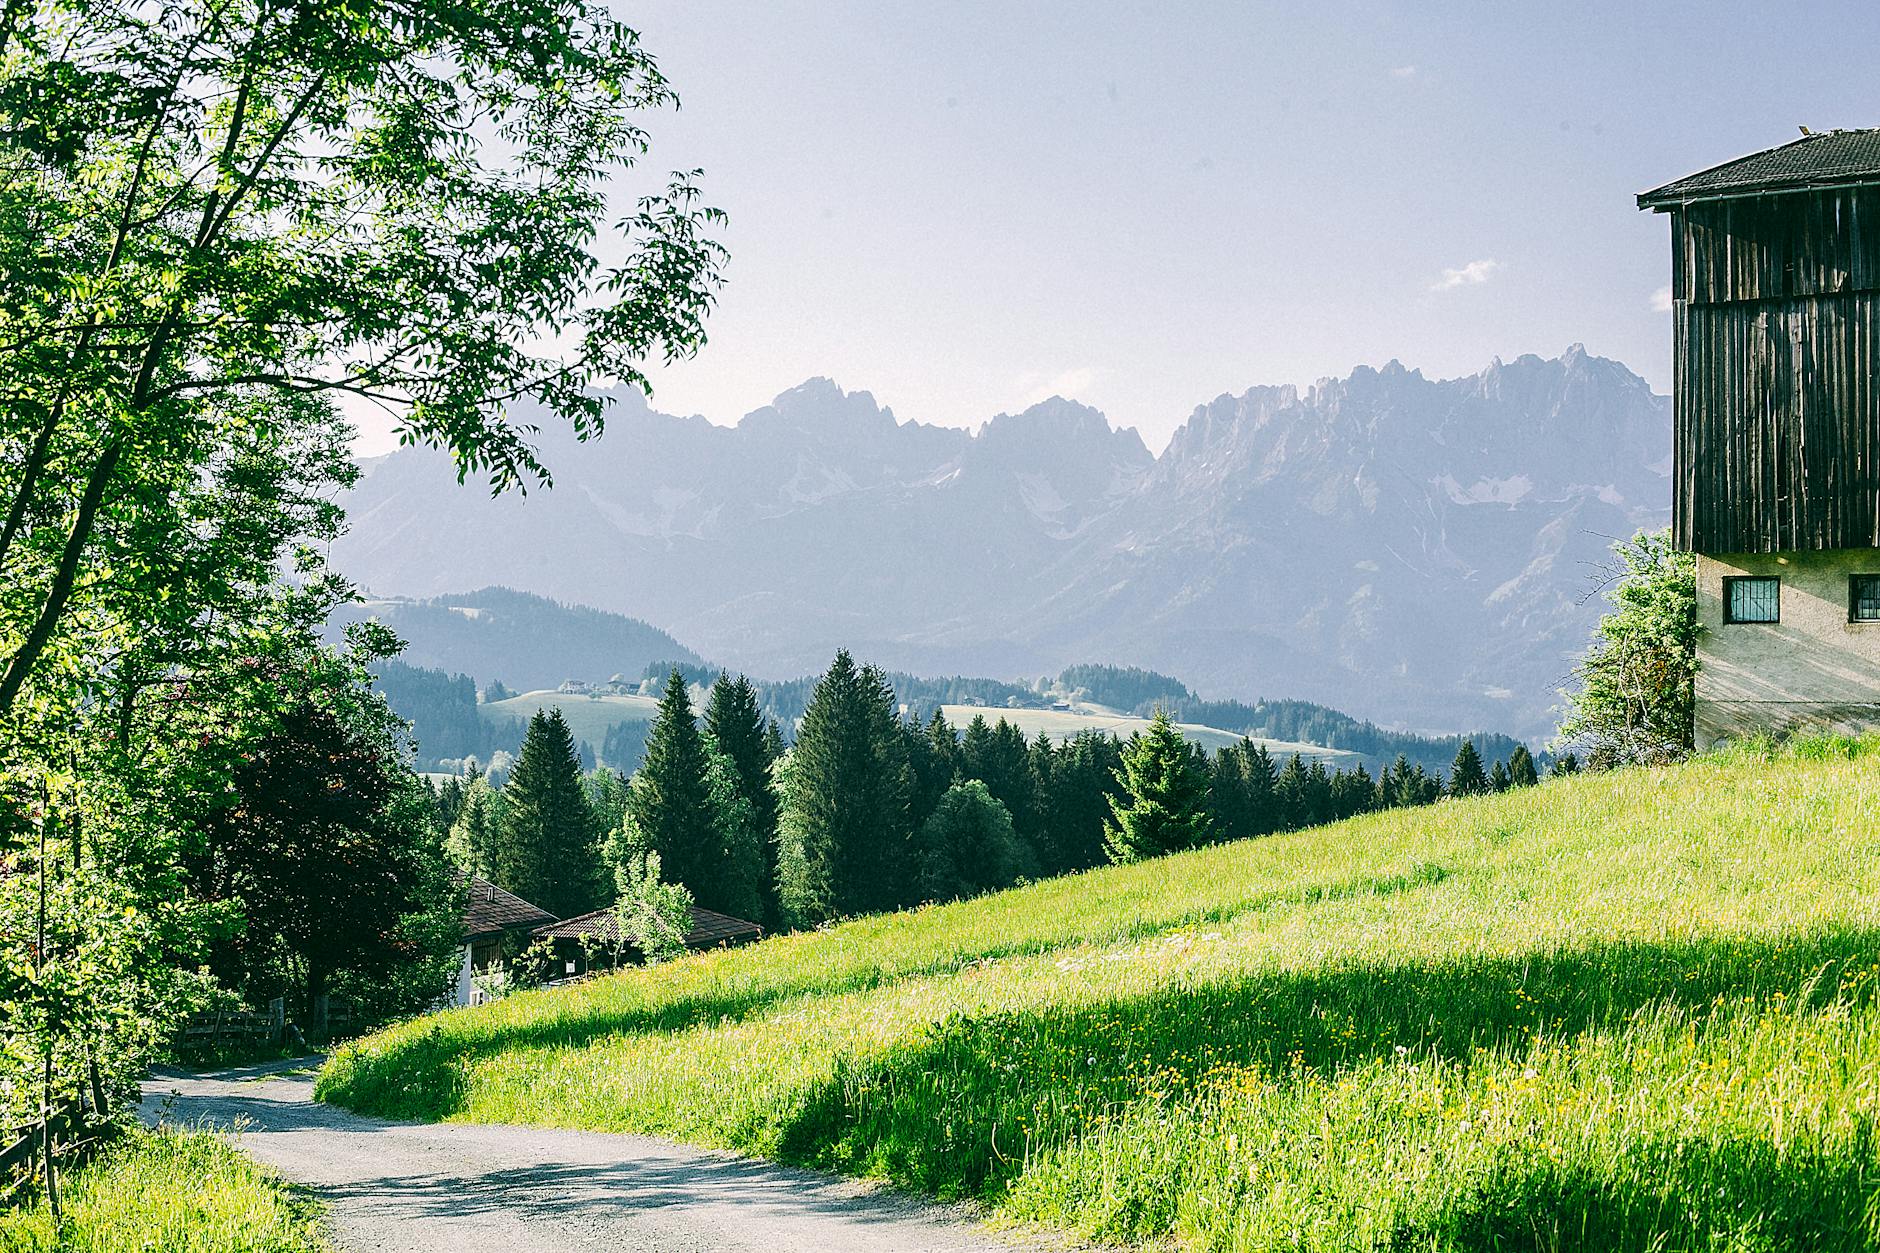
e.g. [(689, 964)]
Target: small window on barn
[(1863, 598), (1754, 599)]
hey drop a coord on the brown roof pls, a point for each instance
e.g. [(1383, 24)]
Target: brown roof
[(490, 909), (1827, 159), (709, 928)]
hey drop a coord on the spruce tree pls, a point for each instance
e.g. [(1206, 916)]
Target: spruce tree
[(1164, 808), (737, 723), (545, 852), (1260, 780), (1466, 777), (1227, 795), (741, 880), (844, 837), (1293, 788), (1498, 778), (1077, 805), (669, 797), (1521, 771)]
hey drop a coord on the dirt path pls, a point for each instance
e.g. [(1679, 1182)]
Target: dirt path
[(477, 1189)]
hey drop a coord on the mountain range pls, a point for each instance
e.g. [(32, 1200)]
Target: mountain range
[(1416, 551)]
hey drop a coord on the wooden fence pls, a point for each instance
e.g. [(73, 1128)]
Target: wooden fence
[(73, 1134)]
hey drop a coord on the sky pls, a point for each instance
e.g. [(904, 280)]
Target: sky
[(964, 208)]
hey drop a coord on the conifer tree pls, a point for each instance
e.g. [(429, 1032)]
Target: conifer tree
[(1260, 780), (1498, 777), (471, 841), (1466, 777), (844, 837), (736, 721), (1521, 771), (741, 880), (545, 852), (1227, 795), (1164, 808), (669, 798), (1293, 789), (1077, 805), (1353, 792)]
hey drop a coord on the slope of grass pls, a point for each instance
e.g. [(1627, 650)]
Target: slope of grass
[(1629, 1011), (590, 718), (1062, 723), (169, 1190)]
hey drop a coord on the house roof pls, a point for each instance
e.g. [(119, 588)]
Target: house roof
[(709, 928), (490, 909), (1826, 159)]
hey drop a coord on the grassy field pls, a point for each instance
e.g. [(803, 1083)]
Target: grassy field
[(1628, 1011), (168, 1191), (1061, 724), (589, 717)]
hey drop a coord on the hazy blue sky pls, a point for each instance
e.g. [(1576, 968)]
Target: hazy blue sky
[(966, 207)]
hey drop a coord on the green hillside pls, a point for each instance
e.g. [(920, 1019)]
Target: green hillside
[(1060, 724), (589, 717), (1625, 1011)]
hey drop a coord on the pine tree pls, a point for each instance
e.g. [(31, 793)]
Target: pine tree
[(471, 841), (741, 880), (545, 851), (1498, 777), (1083, 783), (1293, 789), (1521, 772), (1164, 808), (843, 836), (1466, 777), (1227, 795), (1261, 783), (669, 798), (737, 723)]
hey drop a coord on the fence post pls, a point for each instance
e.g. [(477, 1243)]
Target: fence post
[(277, 1018)]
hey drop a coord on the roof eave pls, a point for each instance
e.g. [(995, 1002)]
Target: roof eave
[(1664, 200)]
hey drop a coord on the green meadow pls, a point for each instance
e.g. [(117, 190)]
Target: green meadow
[(1061, 724), (590, 718), (168, 1191), (1631, 1011)]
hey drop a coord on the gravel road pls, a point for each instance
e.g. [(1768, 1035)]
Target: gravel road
[(478, 1189)]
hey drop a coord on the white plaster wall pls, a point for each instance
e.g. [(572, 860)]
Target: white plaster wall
[(1814, 668)]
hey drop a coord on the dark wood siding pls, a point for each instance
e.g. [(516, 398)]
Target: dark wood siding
[(1777, 247), (1777, 344)]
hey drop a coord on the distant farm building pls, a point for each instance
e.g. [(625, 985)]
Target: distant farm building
[(490, 916), (1775, 288), (573, 687), (591, 941)]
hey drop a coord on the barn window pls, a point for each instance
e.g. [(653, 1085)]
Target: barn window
[(1756, 599), (1863, 598)]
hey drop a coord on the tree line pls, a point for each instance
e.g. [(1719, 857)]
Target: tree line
[(869, 809)]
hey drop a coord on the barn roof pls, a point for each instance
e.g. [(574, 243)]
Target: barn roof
[(1826, 159), (490, 909), (709, 928)]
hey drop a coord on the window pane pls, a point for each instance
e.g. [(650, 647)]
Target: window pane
[(1751, 600), (1865, 600)]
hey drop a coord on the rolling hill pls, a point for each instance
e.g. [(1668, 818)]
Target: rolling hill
[(1630, 1011)]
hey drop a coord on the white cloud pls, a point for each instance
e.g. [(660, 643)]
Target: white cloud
[(1471, 275), (1072, 384), (1661, 299), (1404, 71)]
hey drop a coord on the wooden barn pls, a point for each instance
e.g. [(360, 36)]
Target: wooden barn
[(1775, 288)]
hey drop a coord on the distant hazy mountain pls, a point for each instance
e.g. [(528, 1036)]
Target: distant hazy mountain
[(1415, 551), (521, 640)]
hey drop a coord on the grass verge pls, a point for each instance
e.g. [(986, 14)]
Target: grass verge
[(173, 1191), (1627, 1011)]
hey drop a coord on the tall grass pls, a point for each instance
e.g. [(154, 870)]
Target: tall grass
[(168, 1191), (1629, 1011)]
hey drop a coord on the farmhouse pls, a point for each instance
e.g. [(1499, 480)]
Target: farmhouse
[(490, 914), (1775, 288), (592, 941)]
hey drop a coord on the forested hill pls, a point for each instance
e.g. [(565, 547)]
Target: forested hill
[(450, 723), (518, 639)]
